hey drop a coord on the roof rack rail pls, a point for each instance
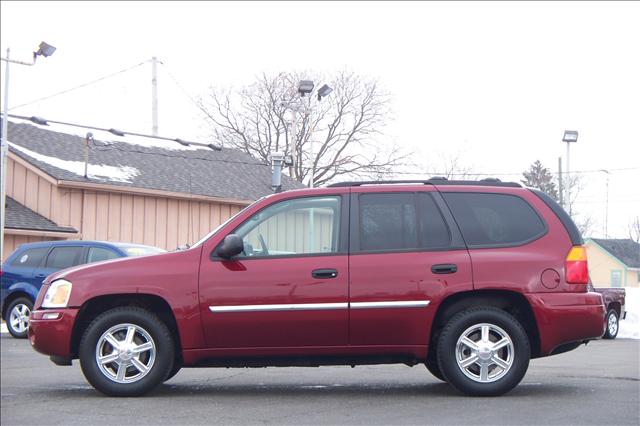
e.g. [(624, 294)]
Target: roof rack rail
[(438, 180)]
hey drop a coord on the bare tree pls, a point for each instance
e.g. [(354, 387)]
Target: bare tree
[(344, 128), (451, 166), (584, 222), (634, 229)]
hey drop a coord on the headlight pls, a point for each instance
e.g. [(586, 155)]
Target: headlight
[(57, 294)]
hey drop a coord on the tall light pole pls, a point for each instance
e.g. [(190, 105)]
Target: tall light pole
[(606, 208), (45, 50), (305, 87), (570, 136)]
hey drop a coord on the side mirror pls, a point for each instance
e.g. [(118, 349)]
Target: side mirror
[(231, 246)]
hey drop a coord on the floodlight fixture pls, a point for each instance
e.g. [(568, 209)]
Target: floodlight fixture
[(45, 50), (324, 91), (181, 142), (116, 132), (305, 87), (570, 136)]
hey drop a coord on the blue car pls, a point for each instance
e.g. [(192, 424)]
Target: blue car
[(26, 268)]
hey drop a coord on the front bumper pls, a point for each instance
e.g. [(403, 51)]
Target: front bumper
[(52, 336), (564, 318)]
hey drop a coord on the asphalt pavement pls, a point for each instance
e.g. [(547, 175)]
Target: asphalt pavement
[(597, 384)]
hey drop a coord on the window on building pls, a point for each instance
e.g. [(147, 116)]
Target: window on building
[(616, 278)]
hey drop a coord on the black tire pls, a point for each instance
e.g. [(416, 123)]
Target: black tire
[(174, 370), (158, 359), (612, 324), (18, 326), (432, 365), (500, 326)]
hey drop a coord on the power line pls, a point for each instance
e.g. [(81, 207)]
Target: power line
[(110, 146), (79, 86), (184, 91), (470, 174), (43, 122)]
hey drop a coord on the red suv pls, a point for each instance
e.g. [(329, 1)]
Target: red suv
[(472, 279)]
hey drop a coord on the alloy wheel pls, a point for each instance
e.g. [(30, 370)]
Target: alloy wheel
[(19, 318), (484, 353), (125, 353)]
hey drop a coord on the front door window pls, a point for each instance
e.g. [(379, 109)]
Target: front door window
[(293, 227)]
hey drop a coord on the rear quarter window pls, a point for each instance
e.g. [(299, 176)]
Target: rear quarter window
[(30, 258), (494, 220)]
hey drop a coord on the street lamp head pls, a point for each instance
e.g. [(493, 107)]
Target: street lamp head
[(39, 120), (305, 87), (324, 91), (45, 50), (570, 136)]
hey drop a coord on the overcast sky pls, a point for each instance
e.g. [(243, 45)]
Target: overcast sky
[(495, 83)]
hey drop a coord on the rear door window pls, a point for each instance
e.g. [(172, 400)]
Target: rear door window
[(434, 232), (388, 222), (30, 258), (494, 220), (64, 257)]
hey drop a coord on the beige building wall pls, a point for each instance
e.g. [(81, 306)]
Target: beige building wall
[(602, 265), (166, 221)]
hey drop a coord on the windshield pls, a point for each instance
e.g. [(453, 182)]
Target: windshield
[(133, 251)]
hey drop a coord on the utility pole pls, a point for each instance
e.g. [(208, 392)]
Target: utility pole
[(560, 181), (606, 211), (570, 136), (4, 152), (45, 50), (154, 96)]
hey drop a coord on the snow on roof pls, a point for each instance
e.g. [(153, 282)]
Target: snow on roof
[(105, 136), (94, 171)]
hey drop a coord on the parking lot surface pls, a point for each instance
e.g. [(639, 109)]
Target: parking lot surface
[(597, 384)]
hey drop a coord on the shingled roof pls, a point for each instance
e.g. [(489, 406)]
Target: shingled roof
[(625, 250), (21, 217), (130, 161)]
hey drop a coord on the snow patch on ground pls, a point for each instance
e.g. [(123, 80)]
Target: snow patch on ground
[(104, 136), (94, 171), (630, 327)]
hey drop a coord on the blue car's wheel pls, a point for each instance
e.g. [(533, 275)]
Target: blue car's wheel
[(18, 317)]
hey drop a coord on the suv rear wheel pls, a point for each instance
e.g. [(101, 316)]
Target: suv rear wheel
[(483, 351), (126, 352), (18, 317)]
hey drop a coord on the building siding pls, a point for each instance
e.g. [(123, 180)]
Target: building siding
[(601, 265), (166, 222)]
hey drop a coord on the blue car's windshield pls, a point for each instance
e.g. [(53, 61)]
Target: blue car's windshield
[(132, 250)]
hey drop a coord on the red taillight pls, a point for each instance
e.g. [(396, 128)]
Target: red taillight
[(576, 270)]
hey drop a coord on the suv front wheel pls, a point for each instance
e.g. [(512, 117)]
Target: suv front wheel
[(126, 352), (483, 351)]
